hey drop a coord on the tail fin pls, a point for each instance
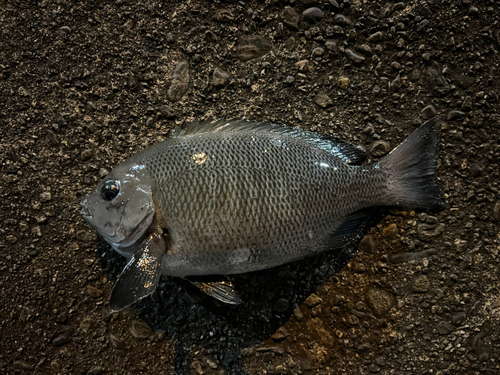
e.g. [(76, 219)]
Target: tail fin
[(411, 168)]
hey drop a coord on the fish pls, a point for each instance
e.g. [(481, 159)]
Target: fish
[(226, 197)]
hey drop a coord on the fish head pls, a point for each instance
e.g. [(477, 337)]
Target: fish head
[(121, 207)]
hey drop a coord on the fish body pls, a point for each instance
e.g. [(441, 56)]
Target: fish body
[(229, 197)]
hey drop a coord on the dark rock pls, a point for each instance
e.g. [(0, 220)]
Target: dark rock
[(421, 284), (290, 43), (464, 82), (115, 341), (96, 370), (140, 330), (436, 83), (379, 301), (376, 37), (373, 368), (368, 243), (428, 112), (455, 115), (61, 340), (290, 18), (281, 305), (323, 100), (408, 257), (180, 82), (340, 19), (458, 318), (476, 169), (251, 47), (364, 348), (426, 232), (312, 15), (219, 77), (380, 148), (444, 328), (354, 57), (466, 104)]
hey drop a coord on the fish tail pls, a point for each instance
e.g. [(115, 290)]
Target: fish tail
[(412, 167)]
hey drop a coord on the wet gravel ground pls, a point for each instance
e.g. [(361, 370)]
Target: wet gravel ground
[(84, 85)]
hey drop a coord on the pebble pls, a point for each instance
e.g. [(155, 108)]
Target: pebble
[(354, 57), (428, 112), (290, 43), (312, 15), (427, 232), (251, 47), (22, 365), (476, 169), (280, 335), (115, 341), (458, 318), (45, 196), (395, 65), (344, 82), (140, 330), (379, 301), (60, 340), (331, 45), (421, 284), (280, 369), (323, 100), (219, 77), (96, 370), (390, 230), (363, 348), (436, 83), (66, 29), (443, 328), (366, 49), (290, 18), (466, 104), (318, 51), (180, 82), (373, 368), (94, 292), (297, 312), (455, 115), (380, 148), (408, 257), (224, 15), (11, 239), (496, 211), (37, 231), (86, 154), (281, 305), (376, 37), (340, 19), (368, 243), (464, 82), (313, 300), (302, 65)]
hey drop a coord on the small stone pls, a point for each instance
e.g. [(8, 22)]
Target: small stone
[(290, 43), (379, 301), (62, 318), (60, 340), (281, 305), (408, 257), (251, 47), (312, 15), (290, 80), (364, 348), (354, 57), (11, 239), (224, 15), (302, 65), (331, 45), (353, 320), (280, 335), (22, 365), (140, 330), (318, 51), (344, 82), (366, 49), (37, 231), (376, 37), (96, 370), (436, 83), (290, 18), (368, 243), (496, 211), (180, 82), (115, 341), (41, 219), (458, 318), (428, 112), (421, 284), (380, 148), (219, 77), (94, 292), (373, 368), (426, 232), (313, 300), (211, 363), (444, 328), (390, 230), (297, 313), (466, 104), (340, 19), (45, 196), (86, 154), (476, 169), (455, 115), (395, 65), (65, 29), (280, 369), (464, 82), (323, 100)]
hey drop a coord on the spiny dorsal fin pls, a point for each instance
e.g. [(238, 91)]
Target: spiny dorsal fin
[(348, 153)]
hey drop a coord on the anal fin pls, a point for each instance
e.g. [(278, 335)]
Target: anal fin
[(140, 276), (348, 230)]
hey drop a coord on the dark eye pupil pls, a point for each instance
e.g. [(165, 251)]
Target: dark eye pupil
[(110, 190)]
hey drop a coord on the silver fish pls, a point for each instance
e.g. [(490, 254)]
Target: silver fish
[(229, 197)]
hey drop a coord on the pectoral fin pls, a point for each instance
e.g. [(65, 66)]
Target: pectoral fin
[(222, 290), (140, 276)]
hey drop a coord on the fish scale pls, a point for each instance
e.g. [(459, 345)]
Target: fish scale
[(229, 197)]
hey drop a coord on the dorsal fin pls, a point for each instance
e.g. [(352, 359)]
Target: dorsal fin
[(348, 153)]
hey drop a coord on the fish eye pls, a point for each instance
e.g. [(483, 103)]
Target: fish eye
[(110, 190)]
